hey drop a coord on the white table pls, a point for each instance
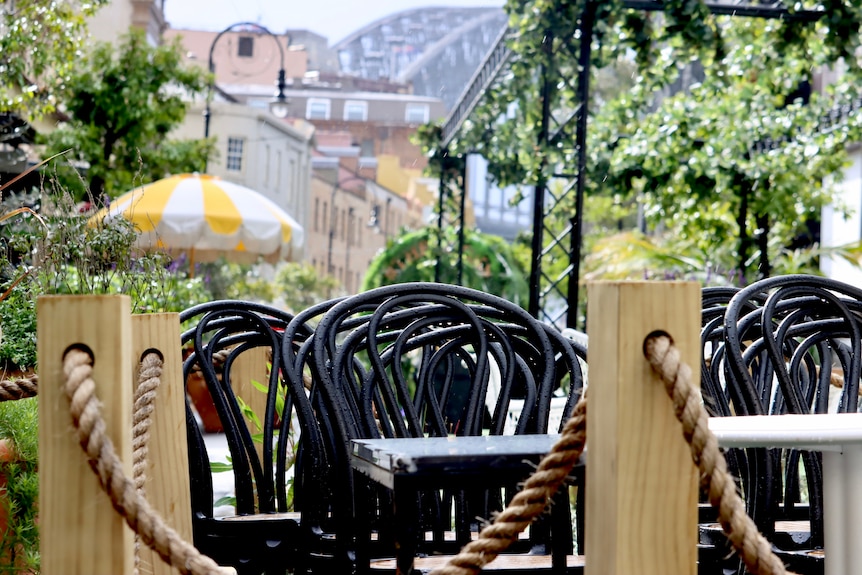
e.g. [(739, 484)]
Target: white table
[(839, 438)]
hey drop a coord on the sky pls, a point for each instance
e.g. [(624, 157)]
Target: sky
[(334, 19)]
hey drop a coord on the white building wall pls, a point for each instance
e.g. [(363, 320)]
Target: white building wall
[(838, 228), (276, 158)]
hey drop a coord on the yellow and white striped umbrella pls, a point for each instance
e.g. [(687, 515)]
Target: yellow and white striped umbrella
[(208, 217)]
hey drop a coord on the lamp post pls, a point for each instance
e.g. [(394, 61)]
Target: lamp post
[(278, 106)]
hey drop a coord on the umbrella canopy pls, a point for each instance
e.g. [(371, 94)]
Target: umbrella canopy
[(207, 217)]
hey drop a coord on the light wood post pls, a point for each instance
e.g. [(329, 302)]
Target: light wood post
[(81, 534), (642, 486), (167, 482), (251, 366)]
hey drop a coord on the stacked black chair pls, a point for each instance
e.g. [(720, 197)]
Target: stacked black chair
[(787, 344), (415, 360), (263, 536)]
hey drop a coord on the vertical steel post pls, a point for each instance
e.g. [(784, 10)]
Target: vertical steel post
[(462, 173), (441, 205), (587, 21), (547, 87)]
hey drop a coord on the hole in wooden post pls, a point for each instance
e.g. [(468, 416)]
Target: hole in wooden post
[(654, 335), (150, 350), (81, 347)]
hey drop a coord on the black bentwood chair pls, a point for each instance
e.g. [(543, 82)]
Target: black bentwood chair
[(427, 359), (265, 535), (791, 344)]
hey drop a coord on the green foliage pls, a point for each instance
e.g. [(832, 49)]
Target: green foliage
[(41, 43), (123, 103), (294, 287), (694, 159), (298, 286), (489, 263), (18, 323), (63, 252), (690, 159), (19, 544)]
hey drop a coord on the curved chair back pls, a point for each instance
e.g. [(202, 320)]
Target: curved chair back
[(787, 344), (262, 535), (427, 359)]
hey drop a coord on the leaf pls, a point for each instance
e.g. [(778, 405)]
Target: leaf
[(225, 500), (220, 467)]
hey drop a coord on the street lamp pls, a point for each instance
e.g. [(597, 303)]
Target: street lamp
[(278, 106)]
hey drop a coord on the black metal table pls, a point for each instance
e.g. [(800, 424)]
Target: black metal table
[(407, 465)]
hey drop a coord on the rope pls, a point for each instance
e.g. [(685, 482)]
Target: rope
[(139, 515), (12, 389), (145, 395), (750, 545), (218, 359), (149, 379), (528, 504)]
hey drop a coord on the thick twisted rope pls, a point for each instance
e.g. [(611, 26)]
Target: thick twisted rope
[(529, 503), (750, 545), (149, 379), (12, 389), (139, 515)]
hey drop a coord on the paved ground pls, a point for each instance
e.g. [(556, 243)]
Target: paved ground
[(222, 482)]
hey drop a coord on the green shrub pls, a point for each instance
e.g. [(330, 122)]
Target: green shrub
[(19, 543)]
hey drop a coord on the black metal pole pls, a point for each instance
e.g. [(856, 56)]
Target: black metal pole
[(441, 204), (547, 88), (207, 111), (587, 21), (462, 209)]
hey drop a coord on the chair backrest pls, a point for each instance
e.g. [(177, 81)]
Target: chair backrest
[(220, 333), (804, 323), (417, 359), (414, 359), (787, 344)]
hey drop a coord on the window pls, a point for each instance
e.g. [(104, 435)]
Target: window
[(416, 114), (317, 109), (366, 148), (355, 111), (245, 47), (234, 154), (316, 214)]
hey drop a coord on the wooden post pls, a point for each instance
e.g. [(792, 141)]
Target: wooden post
[(167, 482), (251, 366), (642, 486), (81, 534)]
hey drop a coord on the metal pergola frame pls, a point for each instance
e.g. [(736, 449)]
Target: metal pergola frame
[(542, 286)]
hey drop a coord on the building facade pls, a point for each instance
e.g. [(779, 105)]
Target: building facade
[(351, 220), (364, 168), (242, 56), (257, 150), (115, 18)]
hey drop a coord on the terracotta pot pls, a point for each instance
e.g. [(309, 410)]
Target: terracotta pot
[(200, 397)]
